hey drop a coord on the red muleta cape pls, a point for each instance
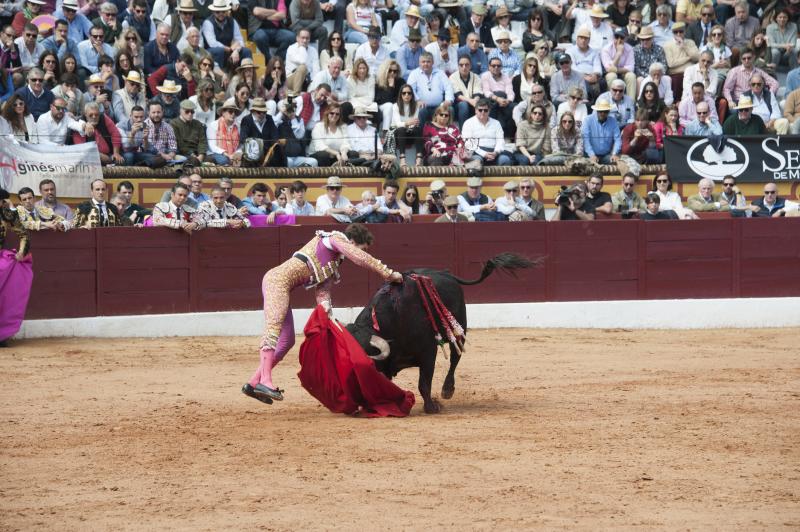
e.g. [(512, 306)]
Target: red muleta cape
[(336, 371)]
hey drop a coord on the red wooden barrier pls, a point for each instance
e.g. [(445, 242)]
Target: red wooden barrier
[(142, 271)]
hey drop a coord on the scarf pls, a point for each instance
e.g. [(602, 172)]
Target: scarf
[(228, 139)]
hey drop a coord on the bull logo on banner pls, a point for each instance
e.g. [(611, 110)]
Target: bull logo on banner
[(706, 161)]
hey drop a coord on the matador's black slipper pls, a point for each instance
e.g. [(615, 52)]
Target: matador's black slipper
[(265, 391), (251, 392)]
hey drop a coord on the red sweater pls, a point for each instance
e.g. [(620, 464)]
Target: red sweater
[(102, 143)]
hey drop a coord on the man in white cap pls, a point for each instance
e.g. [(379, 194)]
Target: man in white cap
[(190, 134), (79, 24), (332, 203), (223, 36), (477, 205), (180, 21), (434, 200), (509, 59), (123, 100), (224, 142), (168, 94), (363, 136), (91, 49), (512, 206), (623, 107), (602, 140), (412, 19), (743, 121)]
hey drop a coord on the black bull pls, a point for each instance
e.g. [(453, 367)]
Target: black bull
[(404, 328)]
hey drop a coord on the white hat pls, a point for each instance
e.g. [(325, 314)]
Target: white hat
[(169, 87), (220, 5)]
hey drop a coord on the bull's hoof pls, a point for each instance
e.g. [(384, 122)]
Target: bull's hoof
[(433, 407), (447, 393)]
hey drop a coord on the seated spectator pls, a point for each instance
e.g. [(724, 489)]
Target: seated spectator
[(361, 89), (387, 91), (168, 98), (668, 199), (628, 201), (368, 209), (258, 201), (175, 214), (53, 127), (533, 138), (246, 73), (441, 138), (101, 129), (260, 125), (602, 141), (333, 76), (335, 48), (486, 135), (509, 60), (662, 82), (645, 54), (703, 73), (721, 51), (47, 189), (668, 125), (360, 21), (410, 199), (623, 108), (782, 39), (196, 189), (445, 54), (130, 54), (299, 205), (307, 15), (537, 97), (159, 142), (496, 87), (602, 31), (205, 109), (97, 93), (547, 65), (124, 99), (772, 205), (652, 209), (477, 205), (186, 181), (226, 184), (302, 62), (409, 53), (35, 218), (571, 204), (389, 204), (190, 134), (329, 140), (536, 31), (765, 106), (512, 206), (96, 212), (224, 144), (207, 73), (223, 36), (372, 51), (737, 81), (91, 50), (265, 27), (363, 137), (681, 54), (137, 17), (575, 104), (23, 125), (706, 200), (740, 28), (220, 214), (451, 214), (293, 130), (687, 111), (791, 111), (133, 133), (473, 51), (586, 62), (30, 51), (405, 120), (640, 142), (563, 80), (523, 83), (48, 63), (566, 140), (617, 59), (526, 193), (118, 201), (651, 102), (598, 200), (434, 199), (60, 41), (332, 203), (744, 122), (502, 19), (37, 97), (175, 75), (400, 30), (431, 87), (134, 212), (735, 199), (467, 90), (704, 124)]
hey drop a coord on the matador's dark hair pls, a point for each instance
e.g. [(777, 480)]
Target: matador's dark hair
[(359, 234)]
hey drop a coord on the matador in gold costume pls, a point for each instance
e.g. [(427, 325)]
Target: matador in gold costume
[(316, 265)]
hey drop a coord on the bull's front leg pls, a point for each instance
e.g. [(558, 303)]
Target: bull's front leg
[(449, 386), (432, 406)]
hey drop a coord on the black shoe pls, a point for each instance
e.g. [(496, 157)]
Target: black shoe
[(263, 391), (251, 392)]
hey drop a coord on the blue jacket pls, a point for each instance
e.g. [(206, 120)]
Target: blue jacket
[(601, 139)]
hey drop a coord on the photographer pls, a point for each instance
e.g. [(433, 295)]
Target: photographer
[(434, 201), (571, 203), (293, 130)]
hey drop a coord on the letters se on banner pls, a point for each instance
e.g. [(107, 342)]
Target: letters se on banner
[(751, 159), (72, 168)]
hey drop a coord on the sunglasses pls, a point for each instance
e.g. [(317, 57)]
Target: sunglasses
[(494, 66), (334, 114), (662, 180), (406, 93), (770, 192), (616, 90), (411, 195), (394, 71), (727, 184), (716, 34), (535, 113), (130, 38), (634, 21), (31, 35), (567, 121), (191, 111), (481, 110), (525, 187), (705, 14), (334, 188), (336, 39), (444, 114), (537, 92), (60, 107), (97, 36), (702, 113), (651, 91), (36, 80), (756, 84)]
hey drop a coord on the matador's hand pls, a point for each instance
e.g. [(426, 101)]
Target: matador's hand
[(396, 277)]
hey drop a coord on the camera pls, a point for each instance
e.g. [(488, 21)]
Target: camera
[(291, 107), (437, 195), (564, 195)]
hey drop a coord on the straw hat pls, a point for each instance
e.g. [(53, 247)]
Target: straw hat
[(503, 35), (511, 185), (258, 104), (37, 2), (169, 87), (449, 3), (220, 5), (646, 33), (188, 105), (413, 11), (479, 9), (333, 181), (437, 184), (246, 62), (502, 11), (584, 32), (360, 112), (70, 4), (597, 12), (451, 201), (745, 102), (230, 103), (187, 6), (602, 105), (678, 26), (95, 79), (474, 182), (134, 77)]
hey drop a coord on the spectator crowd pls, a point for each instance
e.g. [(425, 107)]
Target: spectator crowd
[(504, 82)]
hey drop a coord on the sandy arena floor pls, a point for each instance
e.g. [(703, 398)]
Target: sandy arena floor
[(547, 429)]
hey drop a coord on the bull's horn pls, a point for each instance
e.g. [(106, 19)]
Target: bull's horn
[(381, 345)]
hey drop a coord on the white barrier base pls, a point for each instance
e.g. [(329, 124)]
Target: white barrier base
[(650, 314)]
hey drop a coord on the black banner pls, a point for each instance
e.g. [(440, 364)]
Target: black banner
[(757, 159)]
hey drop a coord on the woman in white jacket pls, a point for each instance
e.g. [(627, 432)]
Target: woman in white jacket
[(20, 120)]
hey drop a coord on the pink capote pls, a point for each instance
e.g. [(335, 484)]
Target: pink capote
[(15, 289), (335, 370)]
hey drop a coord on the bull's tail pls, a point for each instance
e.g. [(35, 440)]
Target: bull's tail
[(506, 263)]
